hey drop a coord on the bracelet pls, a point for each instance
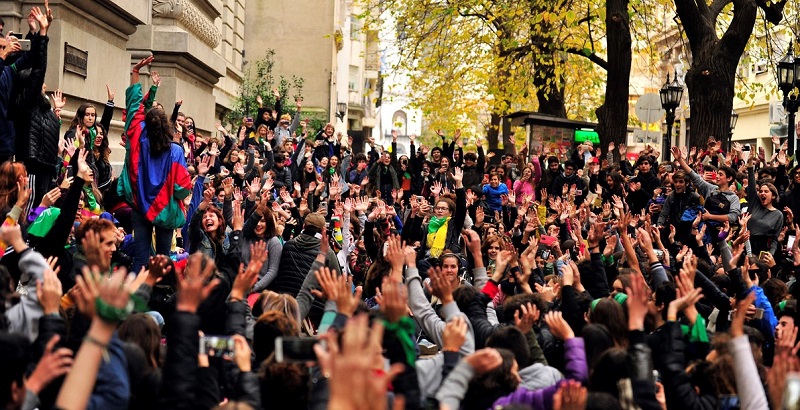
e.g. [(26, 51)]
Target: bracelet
[(101, 345), (95, 342), (110, 313)]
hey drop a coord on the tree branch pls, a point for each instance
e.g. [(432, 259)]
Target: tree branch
[(702, 7), (593, 57), (738, 33), (773, 11), (691, 21), (716, 8)]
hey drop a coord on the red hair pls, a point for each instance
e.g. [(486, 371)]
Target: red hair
[(10, 173)]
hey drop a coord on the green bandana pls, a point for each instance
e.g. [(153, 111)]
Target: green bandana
[(403, 329), (436, 223)]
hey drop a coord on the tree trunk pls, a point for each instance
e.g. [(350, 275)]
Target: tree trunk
[(710, 80), (710, 83), (612, 116), (549, 87), (493, 133)]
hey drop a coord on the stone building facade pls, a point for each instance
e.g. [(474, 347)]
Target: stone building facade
[(197, 46)]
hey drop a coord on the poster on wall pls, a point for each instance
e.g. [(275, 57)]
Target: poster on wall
[(552, 140)]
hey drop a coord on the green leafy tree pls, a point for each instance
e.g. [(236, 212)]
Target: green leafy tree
[(259, 80)]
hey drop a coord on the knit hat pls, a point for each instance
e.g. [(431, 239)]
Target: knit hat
[(316, 220)]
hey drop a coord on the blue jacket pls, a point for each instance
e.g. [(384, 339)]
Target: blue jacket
[(493, 196), (112, 389)]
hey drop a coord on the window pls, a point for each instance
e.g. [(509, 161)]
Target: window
[(760, 66), (355, 28), (353, 82)]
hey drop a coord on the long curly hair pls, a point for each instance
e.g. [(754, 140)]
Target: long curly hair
[(10, 173), (101, 151), (159, 130)]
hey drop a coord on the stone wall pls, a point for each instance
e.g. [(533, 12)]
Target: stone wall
[(197, 45)]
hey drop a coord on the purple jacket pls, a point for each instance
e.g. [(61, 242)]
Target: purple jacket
[(575, 369)]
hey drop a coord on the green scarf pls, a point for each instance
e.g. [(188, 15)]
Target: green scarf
[(437, 237), (403, 329), (436, 223)]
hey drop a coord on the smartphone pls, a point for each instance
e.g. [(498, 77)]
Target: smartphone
[(790, 241), (791, 393), (759, 314), (217, 346), (25, 45), (70, 171), (295, 349), (548, 240), (745, 152), (762, 256), (545, 254)]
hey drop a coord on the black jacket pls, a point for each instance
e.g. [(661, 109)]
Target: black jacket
[(296, 259), (36, 125)]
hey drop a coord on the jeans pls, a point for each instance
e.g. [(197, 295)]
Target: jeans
[(143, 240)]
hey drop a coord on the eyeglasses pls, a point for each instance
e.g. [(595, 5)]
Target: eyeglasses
[(442, 208)]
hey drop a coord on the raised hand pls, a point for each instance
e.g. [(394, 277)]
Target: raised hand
[(526, 317), (143, 62), (84, 171), (394, 300), (59, 101), (237, 222), (48, 291), (454, 334), (353, 384), (558, 326), (156, 78), (111, 92), (44, 23), (638, 296), (196, 284), (440, 286), (55, 362)]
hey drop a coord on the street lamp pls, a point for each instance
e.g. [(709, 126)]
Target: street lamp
[(788, 70), (341, 110), (671, 94), (734, 120)]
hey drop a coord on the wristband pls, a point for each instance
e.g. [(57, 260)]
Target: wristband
[(101, 345), (95, 342), (110, 313)]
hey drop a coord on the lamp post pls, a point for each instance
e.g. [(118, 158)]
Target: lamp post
[(671, 94), (788, 70), (341, 110), (734, 120)]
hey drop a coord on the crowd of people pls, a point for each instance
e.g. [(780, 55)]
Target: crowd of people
[(270, 266)]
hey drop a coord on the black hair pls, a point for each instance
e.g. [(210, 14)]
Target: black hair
[(159, 131), (514, 303), (15, 351), (511, 338), (665, 293)]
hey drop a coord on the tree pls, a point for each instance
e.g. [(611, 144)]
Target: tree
[(509, 55), (610, 124), (711, 77), (258, 80)]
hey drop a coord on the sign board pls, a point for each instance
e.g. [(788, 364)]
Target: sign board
[(645, 137), (552, 140), (648, 108), (76, 61)]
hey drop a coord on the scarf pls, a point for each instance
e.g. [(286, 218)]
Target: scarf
[(404, 329), (436, 235)]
